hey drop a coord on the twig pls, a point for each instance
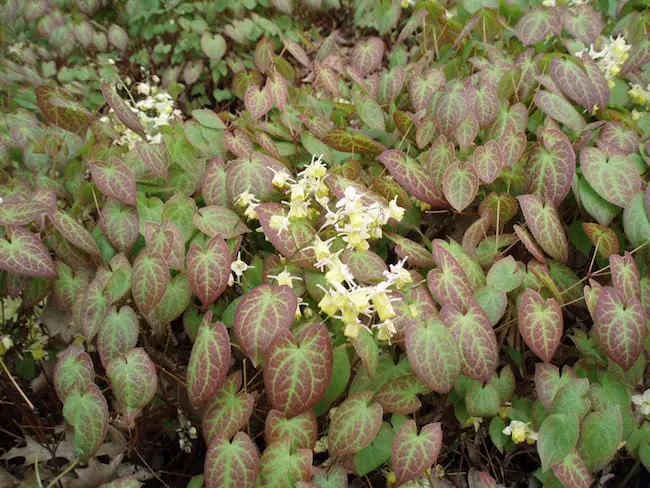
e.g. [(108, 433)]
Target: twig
[(150, 469), (13, 381), (69, 468)]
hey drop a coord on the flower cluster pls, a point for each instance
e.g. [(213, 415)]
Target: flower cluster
[(186, 432), (520, 432), (610, 58), (642, 403), (640, 95), (154, 111)]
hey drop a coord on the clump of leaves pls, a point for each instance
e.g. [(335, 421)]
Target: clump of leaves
[(392, 249)]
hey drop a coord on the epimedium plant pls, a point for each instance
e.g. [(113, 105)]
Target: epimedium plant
[(390, 247)]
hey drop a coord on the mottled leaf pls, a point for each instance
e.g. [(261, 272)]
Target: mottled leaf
[(87, 412), (150, 278), (118, 334), (208, 269), (114, 179), (544, 223), (301, 429), (23, 253), (232, 464), (414, 453), (73, 372), (354, 425), (228, 411), (540, 324), (460, 185)]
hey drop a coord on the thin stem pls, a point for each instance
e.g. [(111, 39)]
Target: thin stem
[(13, 381), (69, 468)]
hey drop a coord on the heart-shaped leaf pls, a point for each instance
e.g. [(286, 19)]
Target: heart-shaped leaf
[(95, 303), (60, 108), (600, 437), (18, 213), (625, 276), (619, 326), (452, 108), (548, 382), (232, 464), (558, 435), (616, 178), (475, 338), (574, 82), (257, 101), (297, 371), (118, 334), (213, 220), (68, 287), (261, 315), (536, 25), (114, 179), (294, 243), (213, 188), (365, 266), (448, 283), (615, 138), (134, 382), (401, 395), (551, 167), (253, 173), (559, 109), (150, 279), (208, 269), (228, 411), (572, 471), (74, 232), (154, 157), (460, 185), (167, 241), (283, 466), (433, 354), (354, 425), (544, 223), (24, 254), (603, 238), (214, 46), (466, 132), (512, 145), (413, 177), (301, 429), (415, 254), (352, 142), (584, 23), (635, 221), (87, 412), (506, 274), (73, 372), (487, 161), (484, 101), (278, 87), (120, 223), (422, 88), (122, 109), (209, 361), (366, 55), (540, 324), (414, 453), (176, 299), (238, 142)]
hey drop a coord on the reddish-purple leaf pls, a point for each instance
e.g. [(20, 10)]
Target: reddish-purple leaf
[(302, 429), (208, 269), (23, 253), (512, 145), (297, 371), (115, 180), (548, 382), (603, 238), (574, 83), (448, 283), (551, 167), (73, 371), (422, 88), (209, 361), (544, 222), (351, 141), (60, 107), (278, 89), (615, 138), (401, 395), (120, 223), (354, 425), (166, 240), (638, 56), (572, 471), (150, 279), (366, 55), (433, 354), (297, 52), (460, 185), (536, 25), (154, 156), (413, 453), (228, 411), (620, 326), (484, 102), (529, 243), (95, 303), (413, 177), (122, 109), (74, 232), (616, 178), (21, 212), (416, 254), (466, 132), (213, 188), (559, 109), (253, 173), (584, 23), (292, 243), (238, 142), (487, 161), (231, 464), (452, 108), (625, 276), (261, 315), (257, 101), (540, 324), (475, 337)]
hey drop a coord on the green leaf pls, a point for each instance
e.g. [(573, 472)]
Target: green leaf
[(87, 412), (352, 142), (228, 411), (214, 47), (118, 334), (301, 429), (371, 114), (73, 372), (283, 467), (414, 453), (482, 401), (600, 437), (558, 435), (559, 109), (339, 380)]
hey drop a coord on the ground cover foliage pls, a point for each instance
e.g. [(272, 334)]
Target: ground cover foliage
[(324, 243)]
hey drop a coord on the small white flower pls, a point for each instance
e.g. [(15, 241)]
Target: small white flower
[(642, 402)]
